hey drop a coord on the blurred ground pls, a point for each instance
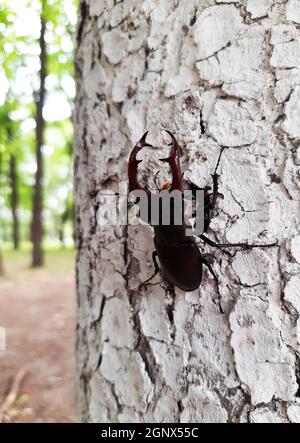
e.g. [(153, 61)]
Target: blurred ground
[(37, 308)]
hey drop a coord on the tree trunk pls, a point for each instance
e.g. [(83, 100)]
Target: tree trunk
[(37, 216), (14, 200), (215, 73)]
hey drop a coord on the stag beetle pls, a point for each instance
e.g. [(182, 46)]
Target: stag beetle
[(179, 256)]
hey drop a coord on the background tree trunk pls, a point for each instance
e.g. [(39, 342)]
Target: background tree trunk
[(14, 200), (37, 215), (2, 270), (216, 73)]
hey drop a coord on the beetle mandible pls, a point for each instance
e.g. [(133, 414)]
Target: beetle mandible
[(179, 256)]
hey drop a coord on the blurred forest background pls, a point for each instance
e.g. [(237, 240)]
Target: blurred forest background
[(37, 304)]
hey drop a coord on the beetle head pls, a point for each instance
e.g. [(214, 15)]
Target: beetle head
[(173, 160)]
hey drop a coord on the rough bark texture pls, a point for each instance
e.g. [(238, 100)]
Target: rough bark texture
[(216, 73)]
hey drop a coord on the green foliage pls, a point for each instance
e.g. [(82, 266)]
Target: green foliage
[(19, 77)]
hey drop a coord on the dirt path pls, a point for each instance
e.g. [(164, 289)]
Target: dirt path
[(37, 308)]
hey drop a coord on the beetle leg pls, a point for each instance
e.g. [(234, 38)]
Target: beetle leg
[(133, 163), (215, 178), (207, 261), (210, 199), (154, 259), (174, 162), (235, 245), (156, 270)]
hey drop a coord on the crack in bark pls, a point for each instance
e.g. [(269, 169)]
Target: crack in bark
[(84, 13), (297, 371), (170, 308), (142, 345)]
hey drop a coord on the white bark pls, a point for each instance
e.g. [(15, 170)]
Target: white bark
[(216, 73)]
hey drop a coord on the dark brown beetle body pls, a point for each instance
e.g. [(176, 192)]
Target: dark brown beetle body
[(179, 256)]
